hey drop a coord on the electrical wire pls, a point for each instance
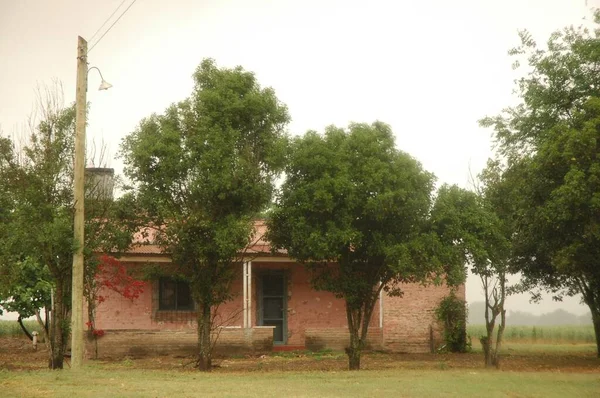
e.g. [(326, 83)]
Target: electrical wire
[(107, 19), (111, 26)]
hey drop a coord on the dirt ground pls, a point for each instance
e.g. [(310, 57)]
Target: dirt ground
[(17, 354)]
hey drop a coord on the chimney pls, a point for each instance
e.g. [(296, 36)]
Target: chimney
[(99, 183)]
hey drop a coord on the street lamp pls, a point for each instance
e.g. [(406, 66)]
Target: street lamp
[(104, 85), (77, 332)]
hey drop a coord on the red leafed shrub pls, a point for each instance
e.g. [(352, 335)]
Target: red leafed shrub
[(112, 274)]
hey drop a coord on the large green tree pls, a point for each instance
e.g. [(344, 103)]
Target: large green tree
[(471, 222), (202, 171), (38, 249), (355, 210), (36, 222), (550, 159)]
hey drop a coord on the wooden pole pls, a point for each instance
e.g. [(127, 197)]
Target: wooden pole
[(77, 331)]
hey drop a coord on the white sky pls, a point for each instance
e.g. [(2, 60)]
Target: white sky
[(430, 69)]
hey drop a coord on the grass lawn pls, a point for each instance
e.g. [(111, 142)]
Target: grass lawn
[(110, 381), (528, 370)]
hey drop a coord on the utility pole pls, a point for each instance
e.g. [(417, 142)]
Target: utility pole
[(77, 332)]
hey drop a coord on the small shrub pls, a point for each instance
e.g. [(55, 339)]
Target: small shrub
[(452, 313)]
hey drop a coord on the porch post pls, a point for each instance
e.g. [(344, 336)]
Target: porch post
[(245, 295), (249, 294), (381, 308)]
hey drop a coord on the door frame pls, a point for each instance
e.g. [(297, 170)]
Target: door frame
[(260, 317)]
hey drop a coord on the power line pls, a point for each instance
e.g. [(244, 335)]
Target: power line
[(111, 26), (107, 19)]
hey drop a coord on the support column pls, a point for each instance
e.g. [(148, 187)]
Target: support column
[(381, 308), (249, 293), (245, 296)]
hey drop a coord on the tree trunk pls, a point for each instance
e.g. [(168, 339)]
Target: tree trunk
[(497, 350), (596, 321), (20, 320), (44, 324), (590, 297), (354, 349), (486, 344), (57, 330), (204, 362), (92, 327)]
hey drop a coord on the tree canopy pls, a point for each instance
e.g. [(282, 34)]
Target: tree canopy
[(36, 221), (202, 171), (355, 210), (551, 166)]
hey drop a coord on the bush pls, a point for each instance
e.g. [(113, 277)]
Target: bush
[(452, 313)]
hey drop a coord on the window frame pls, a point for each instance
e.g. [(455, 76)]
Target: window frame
[(176, 283)]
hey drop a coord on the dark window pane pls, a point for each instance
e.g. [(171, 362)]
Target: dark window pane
[(272, 285), (184, 298), (174, 295), (277, 332), (167, 294), (273, 308)]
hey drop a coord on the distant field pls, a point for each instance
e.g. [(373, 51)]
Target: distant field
[(540, 334), (12, 328)]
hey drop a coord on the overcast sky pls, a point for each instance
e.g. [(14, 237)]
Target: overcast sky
[(430, 69)]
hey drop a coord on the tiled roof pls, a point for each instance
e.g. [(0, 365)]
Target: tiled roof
[(144, 241)]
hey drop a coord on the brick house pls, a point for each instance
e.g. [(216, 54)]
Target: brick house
[(274, 308)]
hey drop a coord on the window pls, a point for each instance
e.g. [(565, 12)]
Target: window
[(174, 295)]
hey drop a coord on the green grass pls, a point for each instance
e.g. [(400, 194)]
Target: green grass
[(541, 334), (96, 381), (12, 328)]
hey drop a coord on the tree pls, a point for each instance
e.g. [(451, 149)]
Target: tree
[(203, 170), (548, 147), (36, 242), (469, 221), (22, 288), (354, 210)]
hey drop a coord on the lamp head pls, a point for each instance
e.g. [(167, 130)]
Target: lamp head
[(104, 85)]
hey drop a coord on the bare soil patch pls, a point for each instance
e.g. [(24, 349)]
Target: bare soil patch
[(17, 354)]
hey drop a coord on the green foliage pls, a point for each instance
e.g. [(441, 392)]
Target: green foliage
[(550, 167), (452, 313), (36, 226), (469, 223), (355, 210), (202, 171), (350, 197)]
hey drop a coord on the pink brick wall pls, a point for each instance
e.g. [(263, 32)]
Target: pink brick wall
[(140, 343), (407, 319), (142, 313), (311, 315), (306, 308)]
